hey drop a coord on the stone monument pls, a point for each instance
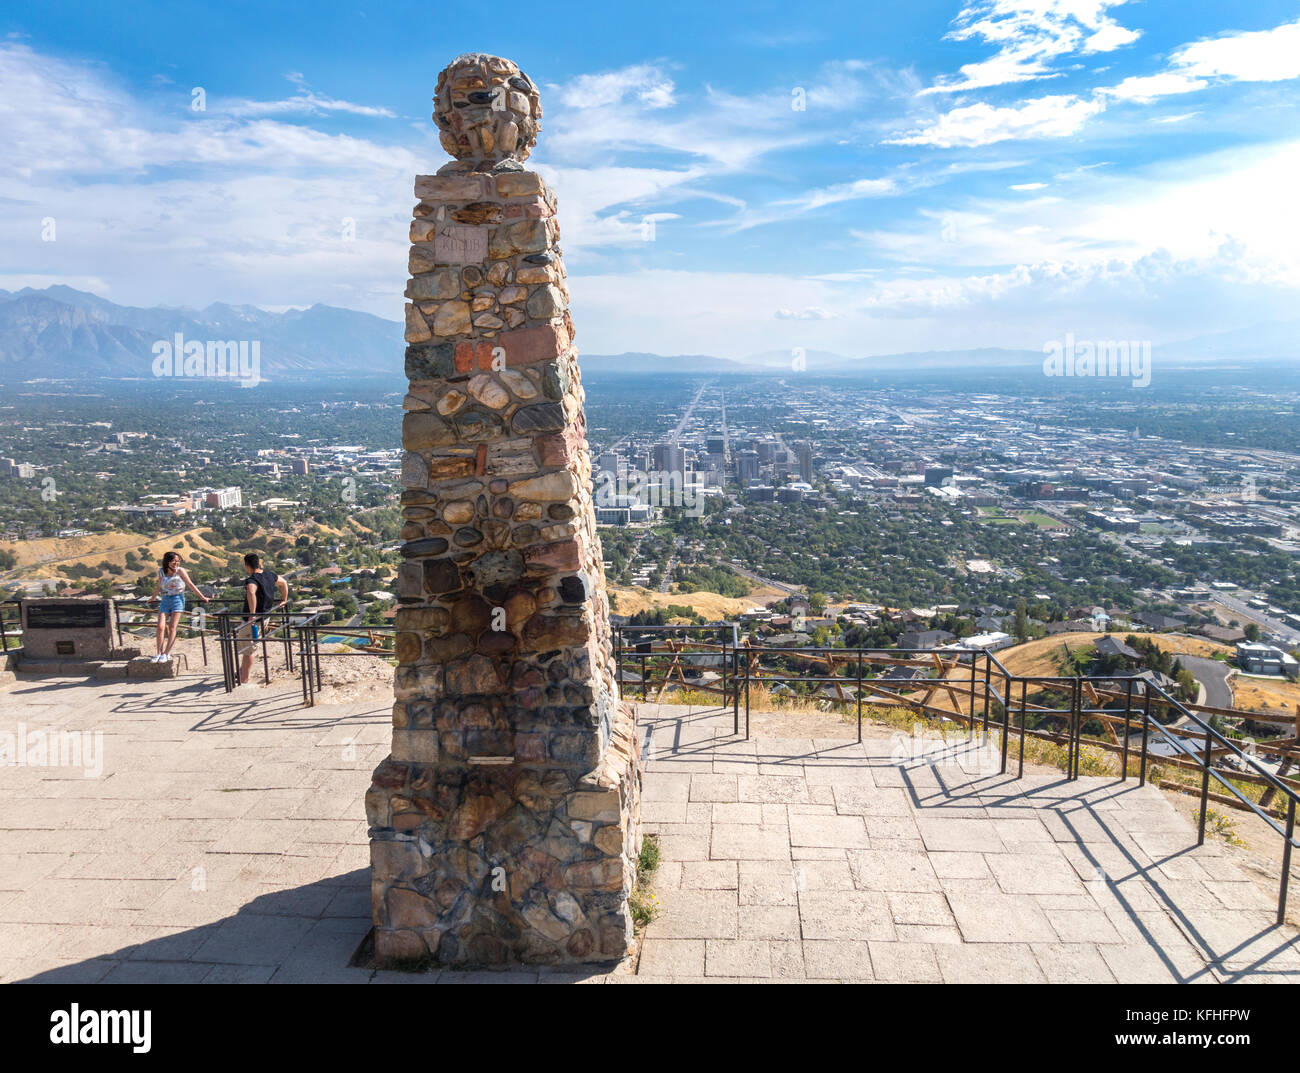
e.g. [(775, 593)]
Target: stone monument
[(504, 824)]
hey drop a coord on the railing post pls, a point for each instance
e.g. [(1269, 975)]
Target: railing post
[(1286, 861), (1205, 790), (1076, 693), (618, 660), (988, 681), (1024, 690), (1006, 727), (735, 689), (1128, 714), (859, 696), (749, 667), (970, 722), (1146, 719)]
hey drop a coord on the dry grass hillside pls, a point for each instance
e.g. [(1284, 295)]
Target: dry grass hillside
[(44, 555), (1042, 657), (628, 601), (1266, 695)]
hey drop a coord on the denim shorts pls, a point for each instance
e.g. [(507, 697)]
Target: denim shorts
[(172, 605)]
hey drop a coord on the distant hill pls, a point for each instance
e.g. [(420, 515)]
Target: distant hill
[(62, 332)]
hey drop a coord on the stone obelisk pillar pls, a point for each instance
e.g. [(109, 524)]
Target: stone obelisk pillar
[(504, 825)]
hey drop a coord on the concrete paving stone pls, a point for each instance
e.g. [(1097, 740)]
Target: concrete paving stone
[(908, 907), (1165, 845), (840, 914), (832, 874), (737, 958), (1068, 903), (251, 939), (689, 842), (240, 974), (1140, 965), (817, 853), (700, 812), (741, 842), (695, 914), (665, 786), (839, 832), (767, 883), (865, 801), (157, 972), (840, 773), (800, 808), (713, 788), (708, 875), (1083, 926), (743, 812), (768, 922), (1241, 895), (668, 876), (1033, 873), (985, 917), (928, 933), (671, 957), (50, 969), (787, 959), (1073, 963), (1022, 831), (905, 963), (848, 961), (968, 835), (960, 865), (772, 789), (892, 828), (892, 871), (988, 963), (1182, 893), (1239, 936)]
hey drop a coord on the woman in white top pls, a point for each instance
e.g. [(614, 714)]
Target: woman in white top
[(172, 581)]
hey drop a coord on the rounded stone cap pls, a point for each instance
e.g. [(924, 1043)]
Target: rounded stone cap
[(487, 110)]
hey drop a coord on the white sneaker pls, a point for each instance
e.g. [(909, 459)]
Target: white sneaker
[(156, 659), (166, 657)]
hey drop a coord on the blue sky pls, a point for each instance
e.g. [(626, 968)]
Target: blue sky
[(863, 178)]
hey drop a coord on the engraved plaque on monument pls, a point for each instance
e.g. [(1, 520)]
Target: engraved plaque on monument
[(61, 628)]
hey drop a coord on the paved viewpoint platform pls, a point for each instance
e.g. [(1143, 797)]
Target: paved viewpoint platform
[(199, 836)]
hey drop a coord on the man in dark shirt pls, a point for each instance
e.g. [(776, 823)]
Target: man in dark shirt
[(260, 591)]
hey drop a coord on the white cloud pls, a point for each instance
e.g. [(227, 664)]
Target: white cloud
[(1027, 186), (1186, 206), (1256, 56), (1261, 56), (644, 83), (1029, 36), (1149, 87), (811, 313), (984, 124)]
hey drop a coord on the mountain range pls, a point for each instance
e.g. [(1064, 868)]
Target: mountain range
[(64, 333)]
